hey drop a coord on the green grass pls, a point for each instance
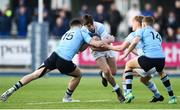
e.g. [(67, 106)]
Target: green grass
[(47, 93)]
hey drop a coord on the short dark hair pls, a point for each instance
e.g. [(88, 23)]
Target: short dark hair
[(75, 22), (87, 19), (149, 20)]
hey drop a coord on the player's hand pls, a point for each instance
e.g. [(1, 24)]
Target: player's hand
[(109, 39), (121, 57), (101, 44), (96, 38), (105, 45)]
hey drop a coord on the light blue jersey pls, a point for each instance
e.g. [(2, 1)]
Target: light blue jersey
[(139, 46), (70, 43), (100, 30), (151, 41)]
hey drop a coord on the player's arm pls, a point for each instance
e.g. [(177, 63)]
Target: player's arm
[(98, 48), (108, 38), (83, 47), (121, 47), (135, 52), (131, 47), (89, 40), (96, 43)]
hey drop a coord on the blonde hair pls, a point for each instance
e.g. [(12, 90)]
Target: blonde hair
[(139, 19), (149, 20)]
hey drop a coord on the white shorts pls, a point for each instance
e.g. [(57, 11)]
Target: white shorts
[(107, 54), (152, 72)]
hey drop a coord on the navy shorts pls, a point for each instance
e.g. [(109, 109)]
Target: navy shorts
[(148, 63), (56, 62)]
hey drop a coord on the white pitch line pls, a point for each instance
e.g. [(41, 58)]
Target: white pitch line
[(41, 103)]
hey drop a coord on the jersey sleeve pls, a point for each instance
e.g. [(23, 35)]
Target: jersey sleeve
[(102, 31), (139, 33), (130, 37), (87, 38)]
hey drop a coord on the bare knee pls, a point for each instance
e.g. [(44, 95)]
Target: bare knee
[(128, 66)]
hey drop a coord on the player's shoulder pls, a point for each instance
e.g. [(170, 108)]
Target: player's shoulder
[(140, 31), (98, 25), (130, 37), (84, 29), (148, 28), (84, 32), (132, 34)]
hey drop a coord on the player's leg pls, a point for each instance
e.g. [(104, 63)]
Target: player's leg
[(112, 64), (152, 87), (73, 83), (48, 65), (159, 64), (70, 69), (23, 81), (166, 82), (145, 79), (102, 63), (128, 75)]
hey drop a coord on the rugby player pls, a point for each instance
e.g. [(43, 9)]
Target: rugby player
[(105, 59)]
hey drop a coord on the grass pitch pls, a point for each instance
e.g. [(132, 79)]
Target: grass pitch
[(47, 93)]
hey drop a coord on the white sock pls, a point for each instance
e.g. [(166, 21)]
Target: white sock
[(103, 75), (116, 87)]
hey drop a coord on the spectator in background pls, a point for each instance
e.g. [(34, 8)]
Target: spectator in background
[(67, 12), (178, 34), (46, 17), (84, 10), (22, 19), (132, 12), (177, 11), (160, 20), (5, 22), (115, 19), (100, 15), (62, 13), (171, 35), (148, 10), (171, 20), (59, 28)]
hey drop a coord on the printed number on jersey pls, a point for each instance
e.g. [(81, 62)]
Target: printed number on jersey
[(68, 36), (155, 36)]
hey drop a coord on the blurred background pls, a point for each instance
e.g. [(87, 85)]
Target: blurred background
[(26, 40)]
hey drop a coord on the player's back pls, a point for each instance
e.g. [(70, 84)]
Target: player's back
[(70, 43), (152, 43)]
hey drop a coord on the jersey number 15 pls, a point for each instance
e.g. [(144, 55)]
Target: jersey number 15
[(68, 36)]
